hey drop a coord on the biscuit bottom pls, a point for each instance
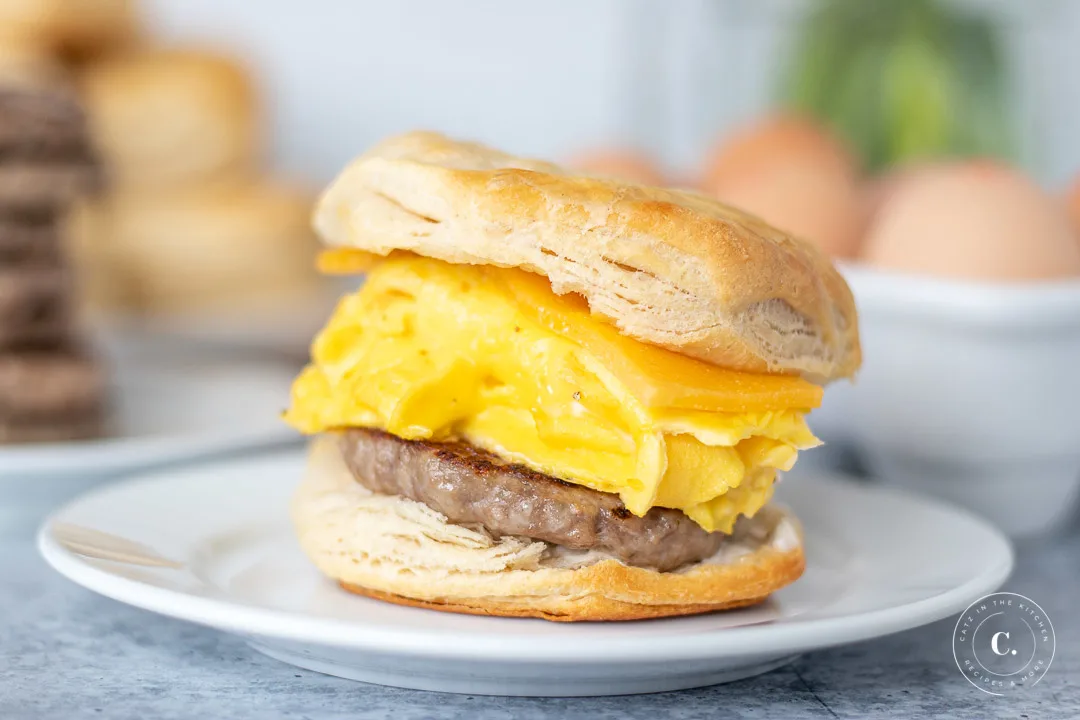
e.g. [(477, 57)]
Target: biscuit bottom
[(577, 610), (394, 549)]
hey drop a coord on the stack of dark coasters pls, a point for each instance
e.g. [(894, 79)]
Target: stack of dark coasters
[(51, 389)]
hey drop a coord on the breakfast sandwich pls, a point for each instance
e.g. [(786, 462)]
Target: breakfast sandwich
[(557, 396)]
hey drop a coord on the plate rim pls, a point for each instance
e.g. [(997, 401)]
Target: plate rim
[(757, 639), (142, 454)]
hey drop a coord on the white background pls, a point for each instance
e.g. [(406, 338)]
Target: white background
[(552, 77)]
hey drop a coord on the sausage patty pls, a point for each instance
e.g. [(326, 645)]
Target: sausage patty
[(469, 485)]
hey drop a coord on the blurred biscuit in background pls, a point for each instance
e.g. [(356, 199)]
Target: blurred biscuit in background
[(24, 63), (162, 118), (87, 29), (105, 284), (76, 30), (232, 246)]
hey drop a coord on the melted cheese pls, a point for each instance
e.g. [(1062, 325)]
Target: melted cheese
[(345, 261), (428, 350)]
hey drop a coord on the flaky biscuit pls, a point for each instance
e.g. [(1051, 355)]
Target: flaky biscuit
[(669, 267)]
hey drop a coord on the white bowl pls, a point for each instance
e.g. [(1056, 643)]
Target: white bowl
[(971, 392)]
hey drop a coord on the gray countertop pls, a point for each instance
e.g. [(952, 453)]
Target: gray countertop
[(66, 653)]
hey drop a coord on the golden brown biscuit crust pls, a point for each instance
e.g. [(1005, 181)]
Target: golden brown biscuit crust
[(605, 591), (669, 267), (583, 609)]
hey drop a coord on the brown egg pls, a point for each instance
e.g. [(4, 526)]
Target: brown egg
[(1072, 204), (619, 164), (976, 220), (796, 176), (879, 190)]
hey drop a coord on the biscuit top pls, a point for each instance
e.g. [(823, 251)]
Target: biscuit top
[(669, 267)]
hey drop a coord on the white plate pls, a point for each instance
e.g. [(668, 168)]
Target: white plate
[(878, 562)]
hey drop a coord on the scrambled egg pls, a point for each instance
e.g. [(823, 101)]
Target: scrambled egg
[(429, 350)]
